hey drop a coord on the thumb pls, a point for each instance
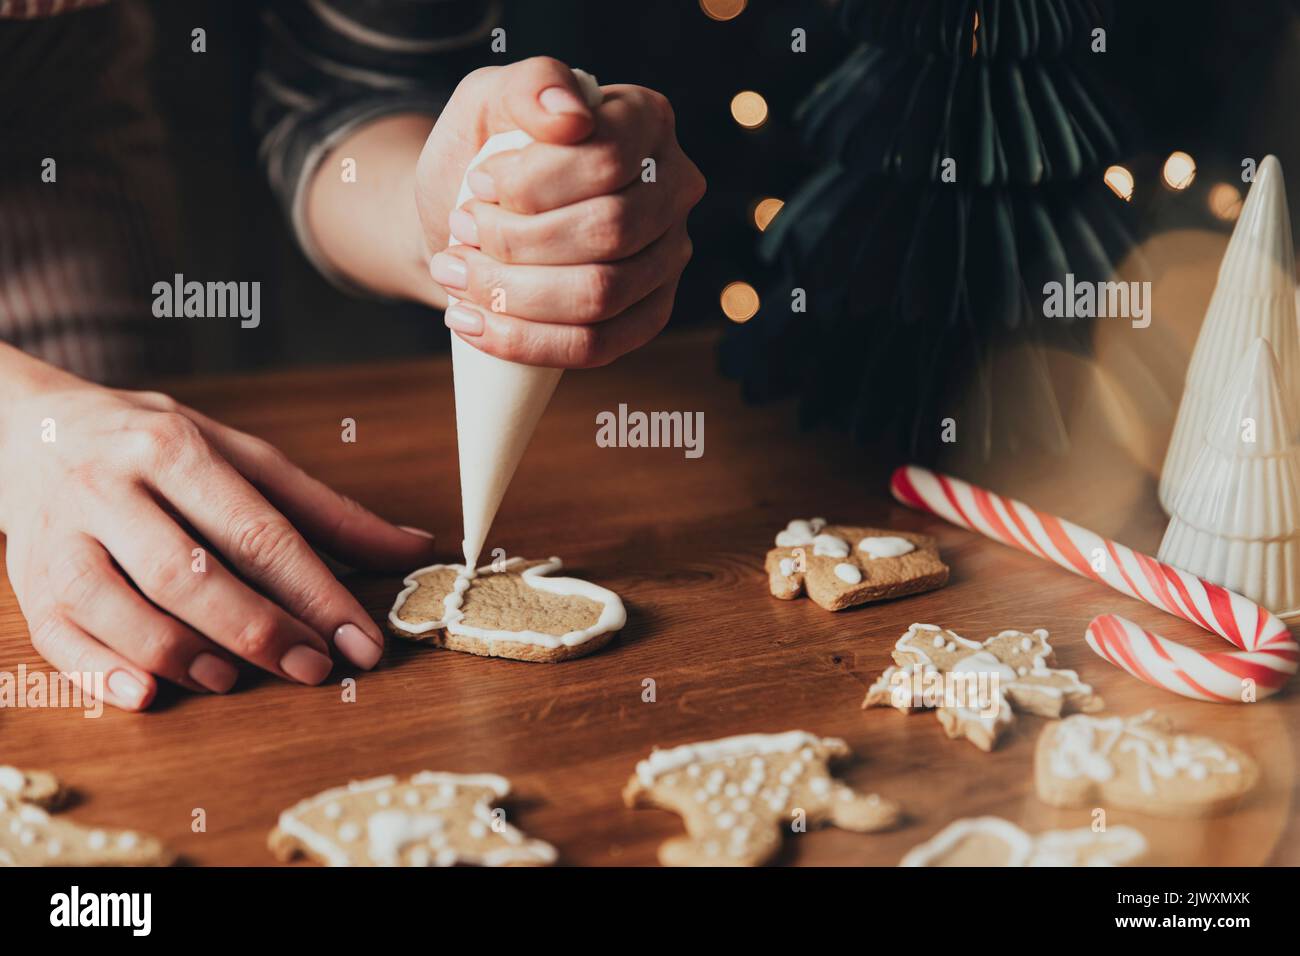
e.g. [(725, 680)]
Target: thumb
[(542, 97)]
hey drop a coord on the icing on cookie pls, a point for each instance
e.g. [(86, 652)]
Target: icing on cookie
[(1080, 847), (612, 615), (430, 836), (12, 779), (829, 546), (1018, 844), (886, 546), (661, 762), (1084, 747), (848, 573), (799, 532)]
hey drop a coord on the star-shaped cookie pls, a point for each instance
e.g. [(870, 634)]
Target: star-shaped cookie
[(977, 687)]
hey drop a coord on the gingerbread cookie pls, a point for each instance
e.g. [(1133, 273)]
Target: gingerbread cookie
[(510, 610), (976, 688), (839, 566), (1139, 763), (432, 819), (737, 794), (30, 836), (992, 841)]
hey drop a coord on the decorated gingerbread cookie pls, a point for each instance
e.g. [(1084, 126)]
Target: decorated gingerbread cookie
[(976, 688), (992, 841), (840, 566), (431, 819), (30, 836), (515, 609), (1139, 763), (737, 795)]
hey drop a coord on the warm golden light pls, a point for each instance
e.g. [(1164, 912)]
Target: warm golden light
[(1225, 201), (1120, 181), (975, 34), (749, 109), (1180, 170), (766, 211), (739, 301), (723, 9)]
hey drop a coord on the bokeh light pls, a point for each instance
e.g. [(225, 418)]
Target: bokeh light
[(723, 9), (765, 211), (1225, 201), (739, 301), (1120, 181), (749, 109), (1180, 170)]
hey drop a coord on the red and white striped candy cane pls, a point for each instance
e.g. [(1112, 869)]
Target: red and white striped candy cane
[(1268, 654)]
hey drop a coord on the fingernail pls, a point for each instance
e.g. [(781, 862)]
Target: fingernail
[(306, 665), (418, 532), (482, 185), (127, 689), (463, 227), (210, 671), (561, 101), (357, 647), (449, 271), (461, 318)]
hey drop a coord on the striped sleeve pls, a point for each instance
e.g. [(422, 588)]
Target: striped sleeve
[(330, 66)]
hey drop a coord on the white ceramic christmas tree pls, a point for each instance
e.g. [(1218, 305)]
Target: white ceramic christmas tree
[(1236, 518), (1255, 297)]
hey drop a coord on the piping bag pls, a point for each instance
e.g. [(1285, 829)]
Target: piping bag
[(498, 403)]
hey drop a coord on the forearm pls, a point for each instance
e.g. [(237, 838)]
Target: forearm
[(365, 223)]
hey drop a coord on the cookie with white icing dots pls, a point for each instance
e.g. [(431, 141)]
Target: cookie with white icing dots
[(1139, 763), (515, 609), (839, 566), (430, 819), (738, 795), (992, 841), (30, 836), (975, 687)]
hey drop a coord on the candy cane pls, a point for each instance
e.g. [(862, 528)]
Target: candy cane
[(1268, 654)]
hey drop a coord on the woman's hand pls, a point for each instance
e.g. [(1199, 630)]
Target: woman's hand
[(146, 539), (572, 252)]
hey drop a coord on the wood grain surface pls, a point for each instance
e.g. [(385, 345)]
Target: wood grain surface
[(683, 542)]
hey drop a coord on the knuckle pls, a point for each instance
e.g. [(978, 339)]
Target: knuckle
[(597, 293), (167, 439), (76, 579), (167, 580), (159, 401), (512, 341), (256, 639), (605, 166), (663, 108), (607, 228), (261, 541), (158, 650), (46, 633), (584, 349)]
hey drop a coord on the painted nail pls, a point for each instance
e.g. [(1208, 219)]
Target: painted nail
[(559, 100), (418, 532), (461, 318), (482, 185), (357, 647), (210, 671), (463, 227), (127, 689), (449, 271), (306, 665)]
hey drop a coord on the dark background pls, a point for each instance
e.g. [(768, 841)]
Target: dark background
[(1218, 79)]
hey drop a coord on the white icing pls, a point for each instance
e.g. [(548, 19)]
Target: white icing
[(1018, 843), (1112, 847), (1083, 747), (848, 573), (612, 615), (12, 779), (661, 762), (829, 546), (787, 567), (389, 832), (885, 546)]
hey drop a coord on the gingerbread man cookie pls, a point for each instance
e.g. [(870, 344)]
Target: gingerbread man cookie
[(513, 610), (30, 836), (977, 687), (839, 566), (737, 794), (432, 819), (992, 841), (1139, 763)]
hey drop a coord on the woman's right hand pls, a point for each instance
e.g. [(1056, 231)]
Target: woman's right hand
[(146, 540)]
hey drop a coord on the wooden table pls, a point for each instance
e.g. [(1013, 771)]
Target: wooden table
[(683, 542)]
